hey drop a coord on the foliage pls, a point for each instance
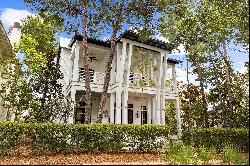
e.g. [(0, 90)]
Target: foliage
[(218, 138), (65, 138), (32, 81), (170, 114), (206, 154), (191, 106), (179, 154), (207, 28), (232, 156), (15, 90)]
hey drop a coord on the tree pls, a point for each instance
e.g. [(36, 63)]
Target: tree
[(191, 112), (35, 83), (15, 91), (75, 14), (138, 14), (206, 28)]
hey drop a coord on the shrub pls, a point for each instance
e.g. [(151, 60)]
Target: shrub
[(218, 138), (66, 138), (178, 153), (232, 156), (206, 154)]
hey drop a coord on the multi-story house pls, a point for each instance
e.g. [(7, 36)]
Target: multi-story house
[(124, 102)]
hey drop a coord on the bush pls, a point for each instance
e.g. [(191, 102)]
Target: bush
[(178, 153), (218, 138), (66, 138), (206, 154), (232, 156)]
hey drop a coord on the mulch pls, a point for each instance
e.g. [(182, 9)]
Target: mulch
[(125, 158)]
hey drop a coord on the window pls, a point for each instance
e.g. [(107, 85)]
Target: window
[(130, 114), (144, 115)]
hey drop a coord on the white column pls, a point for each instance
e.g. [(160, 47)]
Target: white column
[(111, 111), (178, 116), (158, 95), (72, 56), (118, 107), (125, 97), (174, 79), (149, 109), (76, 64), (73, 99), (164, 63), (155, 117)]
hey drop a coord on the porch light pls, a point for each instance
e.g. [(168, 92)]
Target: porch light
[(138, 114)]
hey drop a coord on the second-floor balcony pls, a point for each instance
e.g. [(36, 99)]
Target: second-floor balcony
[(136, 80)]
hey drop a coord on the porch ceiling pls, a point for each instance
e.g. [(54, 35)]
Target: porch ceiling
[(97, 51)]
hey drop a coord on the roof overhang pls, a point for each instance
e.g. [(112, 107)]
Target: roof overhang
[(130, 35)]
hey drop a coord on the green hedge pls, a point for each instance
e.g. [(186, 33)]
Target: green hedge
[(65, 138), (218, 138)]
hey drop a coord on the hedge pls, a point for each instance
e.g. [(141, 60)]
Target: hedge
[(218, 138), (66, 138)]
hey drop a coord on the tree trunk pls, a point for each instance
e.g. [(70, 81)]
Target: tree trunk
[(107, 79), (109, 67), (204, 101), (229, 119), (86, 67)]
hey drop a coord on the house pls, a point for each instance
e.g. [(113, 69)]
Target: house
[(124, 102), (6, 53)]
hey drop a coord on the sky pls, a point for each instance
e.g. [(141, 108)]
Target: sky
[(14, 10)]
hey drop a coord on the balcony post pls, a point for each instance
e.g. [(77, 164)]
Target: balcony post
[(178, 116), (111, 112), (76, 64), (158, 95), (164, 63), (174, 79)]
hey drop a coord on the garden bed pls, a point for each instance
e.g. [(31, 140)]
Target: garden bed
[(85, 158)]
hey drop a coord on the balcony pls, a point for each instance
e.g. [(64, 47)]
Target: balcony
[(95, 77), (139, 80)]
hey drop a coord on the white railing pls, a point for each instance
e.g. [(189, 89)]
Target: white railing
[(136, 78), (95, 77)]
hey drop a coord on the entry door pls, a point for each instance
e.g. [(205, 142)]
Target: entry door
[(130, 114), (79, 114), (80, 118)]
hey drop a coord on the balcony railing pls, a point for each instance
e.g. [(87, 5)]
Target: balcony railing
[(95, 77), (137, 79)]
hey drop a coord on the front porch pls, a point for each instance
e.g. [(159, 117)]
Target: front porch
[(129, 112)]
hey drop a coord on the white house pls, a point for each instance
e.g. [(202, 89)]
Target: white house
[(124, 103)]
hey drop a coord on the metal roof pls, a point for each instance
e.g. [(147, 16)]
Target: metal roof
[(131, 36), (150, 41)]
